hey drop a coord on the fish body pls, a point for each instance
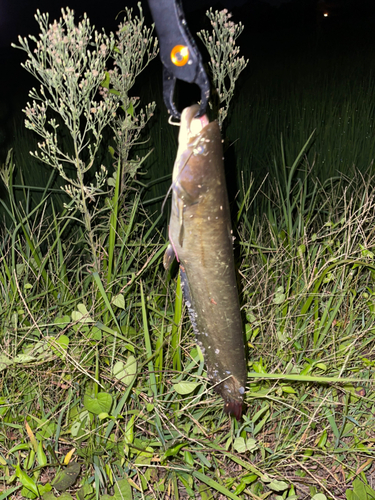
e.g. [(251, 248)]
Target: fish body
[(201, 238)]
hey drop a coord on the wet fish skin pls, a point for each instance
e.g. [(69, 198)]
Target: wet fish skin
[(201, 238)]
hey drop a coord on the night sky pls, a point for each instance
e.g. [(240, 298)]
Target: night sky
[(17, 17), (273, 28)]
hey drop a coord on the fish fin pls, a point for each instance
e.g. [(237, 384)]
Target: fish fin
[(234, 408), (185, 287), (166, 197), (168, 257), (188, 301)]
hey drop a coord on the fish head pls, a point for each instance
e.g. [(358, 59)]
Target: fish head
[(199, 142)]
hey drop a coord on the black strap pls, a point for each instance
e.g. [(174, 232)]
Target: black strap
[(178, 52)]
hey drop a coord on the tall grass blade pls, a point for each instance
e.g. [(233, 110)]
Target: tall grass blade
[(113, 224), (215, 485), (151, 369), (176, 327)]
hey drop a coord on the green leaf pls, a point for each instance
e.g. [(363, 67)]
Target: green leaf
[(26, 481), (173, 450), (101, 404), (4, 362), (250, 318), (184, 388), (23, 358), (359, 488), (144, 457), (39, 348), (251, 444), (62, 322), (129, 431), (279, 296), (95, 333), (319, 496), (188, 458), (63, 341), (46, 429), (82, 315), (103, 415), (105, 82), (23, 446), (278, 485), (40, 455), (126, 373), (58, 344), (288, 389), (239, 445), (44, 488), (262, 423), (245, 480), (260, 412), (86, 491), (67, 477), (214, 485), (188, 482), (328, 277), (323, 439), (321, 366), (119, 301), (79, 426), (123, 491), (205, 492), (130, 109), (26, 493), (350, 495), (20, 269)]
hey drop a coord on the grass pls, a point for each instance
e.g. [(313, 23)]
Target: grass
[(102, 370), (330, 94), (103, 390)]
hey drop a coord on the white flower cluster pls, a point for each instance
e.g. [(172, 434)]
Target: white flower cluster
[(79, 96), (69, 61), (135, 48), (224, 63)]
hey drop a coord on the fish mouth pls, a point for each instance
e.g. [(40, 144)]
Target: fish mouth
[(190, 126), (192, 132)]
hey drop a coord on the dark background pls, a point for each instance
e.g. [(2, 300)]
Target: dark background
[(274, 31)]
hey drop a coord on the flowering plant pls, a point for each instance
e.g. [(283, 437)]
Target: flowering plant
[(224, 64), (70, 63)]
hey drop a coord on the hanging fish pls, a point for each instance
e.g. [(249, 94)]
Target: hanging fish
[(201, 239)]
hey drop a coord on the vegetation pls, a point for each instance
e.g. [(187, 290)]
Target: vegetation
[(103, 390)]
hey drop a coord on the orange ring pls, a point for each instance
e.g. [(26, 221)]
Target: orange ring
[(180, 55)]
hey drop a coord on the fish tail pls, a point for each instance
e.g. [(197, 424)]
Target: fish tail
[(234, 408)]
